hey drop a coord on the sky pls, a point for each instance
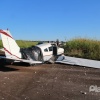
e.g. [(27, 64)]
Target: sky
[(51, 19)]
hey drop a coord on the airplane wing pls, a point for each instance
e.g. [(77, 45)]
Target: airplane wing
[(22, 60), (30, 61), (78, 61)]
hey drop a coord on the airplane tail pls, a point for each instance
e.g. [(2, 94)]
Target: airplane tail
[(12, 50)]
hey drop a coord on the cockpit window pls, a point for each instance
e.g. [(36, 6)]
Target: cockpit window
[(46, 50), (50, 48)]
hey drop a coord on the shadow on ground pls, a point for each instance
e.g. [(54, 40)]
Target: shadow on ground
[(7, 69), (22, 64), (4, 68)]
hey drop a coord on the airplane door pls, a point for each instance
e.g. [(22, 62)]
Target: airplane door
[(55, 50), (47, 53)]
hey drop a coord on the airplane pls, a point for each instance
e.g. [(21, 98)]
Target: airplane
[(40, 53), (33, 55)]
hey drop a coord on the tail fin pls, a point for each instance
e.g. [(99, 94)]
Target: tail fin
[(11, 48)]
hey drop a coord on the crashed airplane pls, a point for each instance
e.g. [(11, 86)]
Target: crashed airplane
[(40, 53), (32, 55)]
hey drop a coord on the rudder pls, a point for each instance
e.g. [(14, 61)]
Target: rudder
[(10, 46)]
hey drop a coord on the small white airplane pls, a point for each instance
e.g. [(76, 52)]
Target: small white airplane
[(33, 55), (40, 53)]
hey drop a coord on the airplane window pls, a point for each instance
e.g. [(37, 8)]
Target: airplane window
[(50, 48), (46, 50)]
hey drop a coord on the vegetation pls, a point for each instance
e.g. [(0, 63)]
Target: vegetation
[(1, 44), (22, 43), (84, 48)]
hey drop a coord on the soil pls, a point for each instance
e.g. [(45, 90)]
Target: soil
[(48, 82)]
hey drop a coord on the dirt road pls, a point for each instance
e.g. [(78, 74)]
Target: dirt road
[(48, 82)]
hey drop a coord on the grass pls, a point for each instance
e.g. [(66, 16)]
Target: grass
[(84, 48), (1, 44), (22, 43)]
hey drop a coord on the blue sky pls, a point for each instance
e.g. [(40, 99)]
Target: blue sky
[(51, 19)]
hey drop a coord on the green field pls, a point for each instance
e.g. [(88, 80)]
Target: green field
[(22, 43)]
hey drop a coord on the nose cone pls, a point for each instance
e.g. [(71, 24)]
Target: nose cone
[(60, 51)]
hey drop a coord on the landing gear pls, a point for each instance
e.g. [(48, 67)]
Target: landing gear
[(32, 64)]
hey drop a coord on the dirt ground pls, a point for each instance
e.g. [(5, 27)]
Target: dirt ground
[(48, 82)]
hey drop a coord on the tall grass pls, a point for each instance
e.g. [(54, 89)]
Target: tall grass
[(84, 48)]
